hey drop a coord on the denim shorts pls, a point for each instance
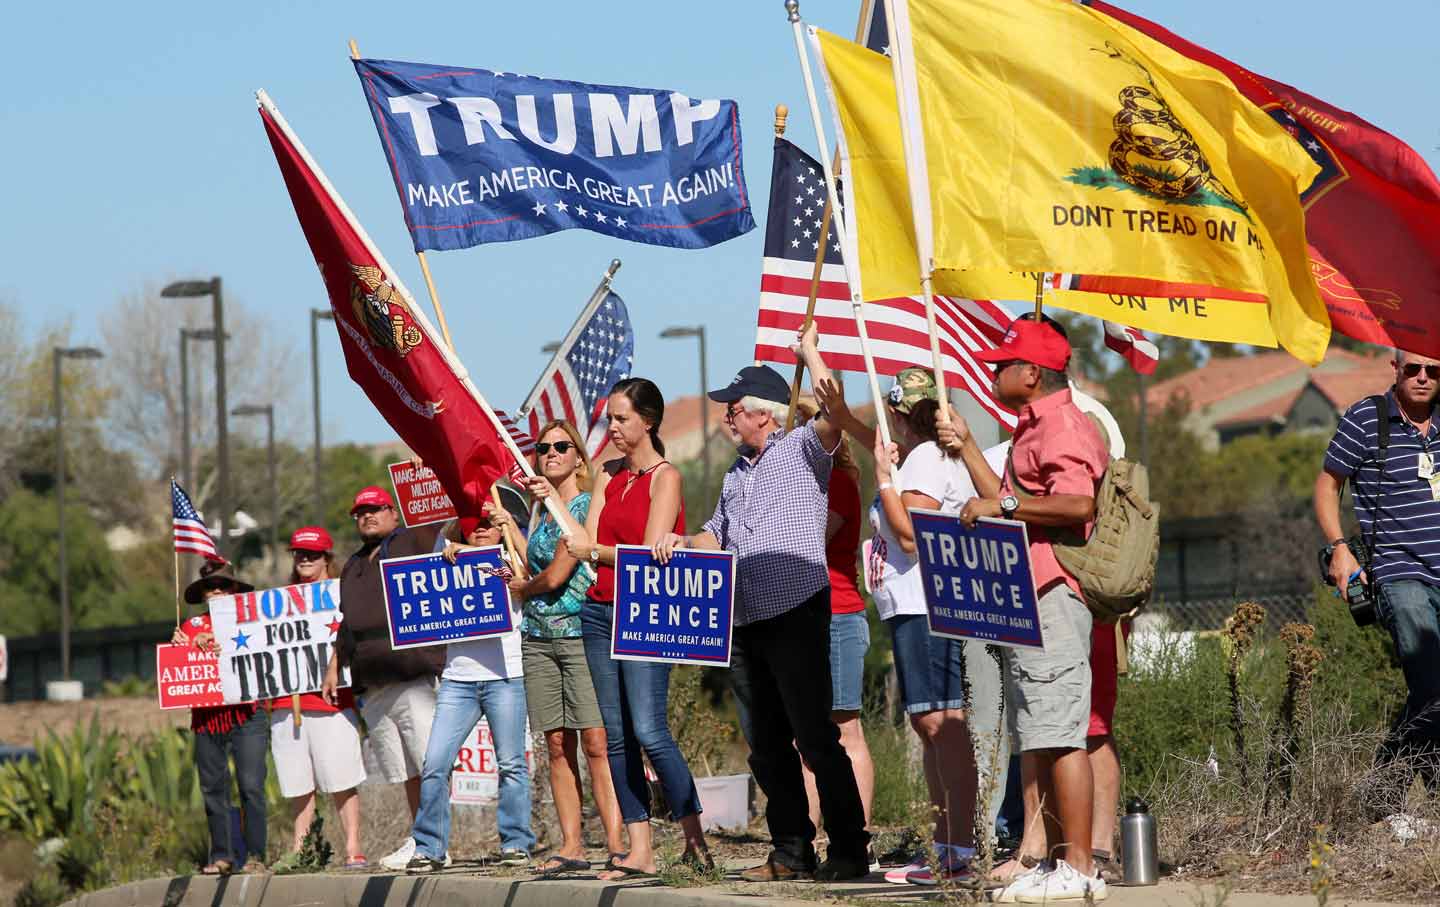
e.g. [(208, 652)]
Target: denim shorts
[(929, 667), (849, 640)]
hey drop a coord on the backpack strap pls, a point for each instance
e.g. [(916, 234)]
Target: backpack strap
[(1382, 425)]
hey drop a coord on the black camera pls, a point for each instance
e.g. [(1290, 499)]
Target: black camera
[(1359, 595)]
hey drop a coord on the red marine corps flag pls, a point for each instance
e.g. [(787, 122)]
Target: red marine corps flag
[(391, 350)]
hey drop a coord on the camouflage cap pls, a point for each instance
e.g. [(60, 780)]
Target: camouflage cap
[(911, 386)]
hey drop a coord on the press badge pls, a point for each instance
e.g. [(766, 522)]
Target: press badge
[(1426, 468)]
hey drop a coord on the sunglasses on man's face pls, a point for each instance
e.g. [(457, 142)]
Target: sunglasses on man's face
[(1002, 366), (562, 447), (1411, 369)]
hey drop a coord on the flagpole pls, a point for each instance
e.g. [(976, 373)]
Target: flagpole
[(602, 290), (446, 352), (424, 265), (882, 425), (176, 552), (918, 178), (509, 534), (781, 112)]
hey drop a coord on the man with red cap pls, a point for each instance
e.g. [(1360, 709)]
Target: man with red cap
[(1057, 458), (397, 688)]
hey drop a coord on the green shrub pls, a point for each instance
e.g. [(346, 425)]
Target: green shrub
[(60, 790), (900, 794)]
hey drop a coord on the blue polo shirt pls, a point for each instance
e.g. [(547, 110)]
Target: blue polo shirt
[(1394, 502)]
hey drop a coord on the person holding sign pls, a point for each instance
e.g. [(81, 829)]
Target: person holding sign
[(397, 687), (321, 747), (558, 688), (637, 501), (482, 677), (225, 731), (771, 516), (1056, 461), (932, 670)]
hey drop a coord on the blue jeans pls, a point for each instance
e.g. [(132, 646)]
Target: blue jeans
[(633, 696), (249, 743), (458, 707), (1410, 610)]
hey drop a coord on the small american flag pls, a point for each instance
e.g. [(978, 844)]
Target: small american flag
[(899, 337), (582, 373), (523, 440), (190, 532), (1140, 351)]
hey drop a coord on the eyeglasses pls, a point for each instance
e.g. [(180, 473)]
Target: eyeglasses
[(301, 554), (731, 411), (562, 447), (1411, 369)]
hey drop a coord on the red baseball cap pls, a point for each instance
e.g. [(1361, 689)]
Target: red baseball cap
[(311, 538), (1030, 341), (372, 496)]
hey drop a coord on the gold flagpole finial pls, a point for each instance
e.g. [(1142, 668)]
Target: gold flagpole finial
[(781, 114)]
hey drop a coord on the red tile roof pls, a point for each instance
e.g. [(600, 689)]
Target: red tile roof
[(1221, 378)]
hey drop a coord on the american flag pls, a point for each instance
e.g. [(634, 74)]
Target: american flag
[(582, 373), (899, 337), (1140, 351), (190, 532)]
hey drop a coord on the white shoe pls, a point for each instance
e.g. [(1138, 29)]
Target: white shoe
[(1022, 882), (398, 860), (1063, 883)]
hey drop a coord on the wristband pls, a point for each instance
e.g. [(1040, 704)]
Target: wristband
[(883, 486), (1335, 543)]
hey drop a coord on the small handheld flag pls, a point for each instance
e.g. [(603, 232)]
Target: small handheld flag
[(190, 532)]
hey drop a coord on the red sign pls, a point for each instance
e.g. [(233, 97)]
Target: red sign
[(187, 677), (421, 497)]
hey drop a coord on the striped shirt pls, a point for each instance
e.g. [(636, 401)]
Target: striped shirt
[(771, 515), (1398, 505)]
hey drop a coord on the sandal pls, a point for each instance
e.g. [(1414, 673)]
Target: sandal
[(558, 864), (626, 873), (255, 866), (357, 862), (614, 859), (218, 868)]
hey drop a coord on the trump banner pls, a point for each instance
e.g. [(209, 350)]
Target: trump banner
[(421, 497), (480, 156), (475, 776), (430, 601), (677, 612), (186, 677), (277, 642), (978, 583)]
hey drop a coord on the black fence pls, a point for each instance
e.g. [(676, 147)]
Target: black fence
[(1208, 564), (95, 657)]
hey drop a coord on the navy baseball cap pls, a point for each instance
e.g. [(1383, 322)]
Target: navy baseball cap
[(755, 381)]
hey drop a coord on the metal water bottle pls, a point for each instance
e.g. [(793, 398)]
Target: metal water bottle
[(1138, 844)]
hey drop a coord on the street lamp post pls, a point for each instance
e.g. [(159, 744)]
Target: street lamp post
[(190, 289), (698, 331), (62, 353), (268, 411), (186, 334), (317, 316), (551, 348)]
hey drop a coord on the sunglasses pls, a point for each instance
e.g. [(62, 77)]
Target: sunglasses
[(301, 554), (1411, 369), (562, 447), (1002, 366)]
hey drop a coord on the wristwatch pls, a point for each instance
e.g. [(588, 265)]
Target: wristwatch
[(1008, 505), (595, 556)]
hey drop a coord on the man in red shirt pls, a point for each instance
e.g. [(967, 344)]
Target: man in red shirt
[(1057, 458)]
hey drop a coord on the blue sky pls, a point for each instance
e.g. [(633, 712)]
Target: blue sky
[(133, 152)]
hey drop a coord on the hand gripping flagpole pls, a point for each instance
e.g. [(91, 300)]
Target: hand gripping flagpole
[(907, 100), (882, 425), (447, 352)]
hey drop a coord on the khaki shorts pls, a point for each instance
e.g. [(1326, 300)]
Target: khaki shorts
[(1049, 690), (558, 689), (398, 717), (322, 753)]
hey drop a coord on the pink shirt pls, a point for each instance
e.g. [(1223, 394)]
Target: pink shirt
[(1056, 450)]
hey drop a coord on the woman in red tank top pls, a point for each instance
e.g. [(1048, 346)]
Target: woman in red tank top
[(637, 500)]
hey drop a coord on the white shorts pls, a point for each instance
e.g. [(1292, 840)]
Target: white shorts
[(323, 752), (398, 718)]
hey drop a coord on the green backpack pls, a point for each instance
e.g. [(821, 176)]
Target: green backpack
[(1115, 566)]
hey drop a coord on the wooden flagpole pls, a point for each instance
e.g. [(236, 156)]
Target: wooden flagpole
[(1039, 294), (424, 265), (178, 619), (781, 112), (512, 536), (882, 424)]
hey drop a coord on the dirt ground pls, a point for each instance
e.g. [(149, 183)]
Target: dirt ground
[(22, 722)]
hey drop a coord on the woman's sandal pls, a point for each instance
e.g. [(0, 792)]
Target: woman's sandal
[(627, 873), (218, 868), (558, 864), (614, 859)]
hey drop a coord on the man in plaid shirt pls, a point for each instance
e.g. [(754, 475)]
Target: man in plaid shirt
[(771, 515)]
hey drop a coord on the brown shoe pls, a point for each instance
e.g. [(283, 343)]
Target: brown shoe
[(771, 871)]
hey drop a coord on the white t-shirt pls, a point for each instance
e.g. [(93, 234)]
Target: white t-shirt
[(895, 575), (1092, 407), (491, 658)]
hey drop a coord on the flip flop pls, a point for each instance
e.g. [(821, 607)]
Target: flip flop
[(218, 868), (357, 862), (557, 865), (628, 872), (613, 859)]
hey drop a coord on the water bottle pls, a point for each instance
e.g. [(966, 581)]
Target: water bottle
[(1138, 845)]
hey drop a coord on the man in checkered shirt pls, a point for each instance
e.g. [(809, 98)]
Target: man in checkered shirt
[(771, 515)]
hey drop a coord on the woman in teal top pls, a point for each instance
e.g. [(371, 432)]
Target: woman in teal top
[(558, 691)]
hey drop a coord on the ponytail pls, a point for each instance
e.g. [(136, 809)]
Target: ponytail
[(655, 440)]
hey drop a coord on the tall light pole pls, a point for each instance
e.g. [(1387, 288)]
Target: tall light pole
[(187, 334), (698, 331), (190, 289), (268, 411), (317, 316), (551, 348), (62, 353)]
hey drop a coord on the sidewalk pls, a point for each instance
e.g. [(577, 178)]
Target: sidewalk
[(465, 885)]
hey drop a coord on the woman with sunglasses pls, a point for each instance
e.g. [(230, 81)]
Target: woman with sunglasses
[(322, 749), (558, 689), (637, 501)]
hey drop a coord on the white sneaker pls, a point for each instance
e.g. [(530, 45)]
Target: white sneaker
[(901, 874), (1064, 883), (398, 860), (1022, 882)]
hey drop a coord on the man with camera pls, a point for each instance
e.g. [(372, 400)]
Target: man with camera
[(1393, 564)]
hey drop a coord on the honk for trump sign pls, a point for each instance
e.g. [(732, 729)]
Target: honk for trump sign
[(277, 641)]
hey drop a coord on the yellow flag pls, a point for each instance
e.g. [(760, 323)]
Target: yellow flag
[(881, 235), (1058, 139)]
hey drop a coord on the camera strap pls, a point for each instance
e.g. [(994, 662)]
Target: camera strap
[(1382, 435)]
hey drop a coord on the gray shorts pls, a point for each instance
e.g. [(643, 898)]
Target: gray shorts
[(1049, 690)]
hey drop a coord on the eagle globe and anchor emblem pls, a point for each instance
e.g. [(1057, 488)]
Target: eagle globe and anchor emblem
[(376, 304)]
